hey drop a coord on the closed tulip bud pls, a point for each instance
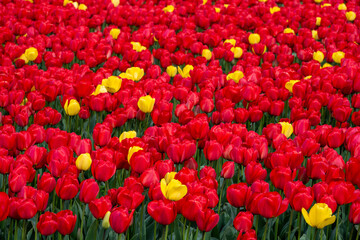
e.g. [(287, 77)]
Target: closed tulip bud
[(99, 207), (31, 53), (89, 189), (133, 150), (350, 16), (4, 206), (106, 220), (270, 204), (243, 221), (337, 56), (72, 107), (171, 71), (289, 30), (320, 216), (168, 8), (206, 220), (83, 162), (286, 129), (67, 187), (318, 56), (228, 170), (274, 9), (254, 38), (115, 33), (146, 104), (66, 222), (112, 84), (162, 211), (238, 52), (206, 53), (236, 194), (47, 224), (314, 34), (120, 219)]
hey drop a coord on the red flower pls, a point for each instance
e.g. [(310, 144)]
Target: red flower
[(47, 224), (121, 219), (66, 222), (206, 220), (162, 211)]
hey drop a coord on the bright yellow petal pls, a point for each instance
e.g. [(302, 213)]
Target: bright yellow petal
[(163, 187), (176, 190), (169, 176), (306, 216), (327, 221)]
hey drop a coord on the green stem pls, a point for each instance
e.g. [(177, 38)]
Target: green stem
[(204, 235), (166, 232), (141, 219), (15, 236), (291, 217), (357, 234), (184, 223), (299, 224), (155, 231), (196, 234), (321, 234), (35, 229), (265, 231), (276, 227), (352, 232), (23, 234), (315, 233), (82, 222), (221, 193), (337, 223), (257, 223)]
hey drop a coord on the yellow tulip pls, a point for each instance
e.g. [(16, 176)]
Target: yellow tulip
[(171, 71), (168, 8), (254, 38), (173, 190), (83, 162), (318, 56), (326, 65), (290, 84), (206, 53), (133, 73), (115, 2), (262, 0), (72, 107), (99, 89), (23, 57), (185, 73), (350, 16), (342, 6), (286, 129), (326, 5), (318, 21), (226, 5), (204, 2), (337, 56), (137, 46), (128, 134), (289, 30), (115, 32), (133, 150), (82, 7), (315, 34), (237, 52), (320, 216), (105, 222), (112, 84), (274, 9), (217, 9), (31, 53), (146, 103), (318, 1), (235, 76), (231, 41), (169, 176)]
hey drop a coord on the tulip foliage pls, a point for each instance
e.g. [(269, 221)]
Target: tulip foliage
[(182, 119)]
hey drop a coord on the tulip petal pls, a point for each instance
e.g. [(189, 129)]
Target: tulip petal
[(327, 221), (306, 216), (163, 187)]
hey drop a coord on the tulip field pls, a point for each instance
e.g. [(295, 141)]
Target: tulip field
[(179, 119)]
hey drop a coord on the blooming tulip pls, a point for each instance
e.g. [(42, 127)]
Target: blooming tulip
[(72, 107), (320, 216), (146, 104), (172, 189)]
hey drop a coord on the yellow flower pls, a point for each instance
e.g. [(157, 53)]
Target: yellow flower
[(168, 8), (115, 2), (318, 1), (231, 41), (115, 33), (185, 73), (262, 0), (318, 56), (318, 21), (206, 53), (72, 108), (138, 47), (217, 10), (128, 134), (286, 129), (237, 52), (274, 9), (226, 5), (31, 53), (342, 6), (235, 76), (83, 162), (289, 30), (99, 89), (350, 16), (105, 222), (290, 84), (204, 2), (320, 215), (325, 5), (23, 57), (171, 188), (315, 34), (133, 150), (146, 103), (82, 7), (337, 56), (171, 70), (133, 73), (326, 65), (112, 84), (254, 38), (66, 2)]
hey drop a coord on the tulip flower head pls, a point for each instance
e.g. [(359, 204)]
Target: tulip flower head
[(146, 103), (72, 107), (168, 8), (350, 16), (133, 150), (115, 2), (133, 73), (31, 53), (99, 89), (274, 9), (289, 30), (315, 35), (320, 216), (185, 72), (171, 71), (337, 56), (217, 9), (286, 129), (171, 188), (254, 38), (290, 84), (115, 33), (318, 56), (82, 7), (138, 47), (231, 41), (342, 6), (83, 162), (237, 52), (206, 53), (128, 134), (318, 21), (235, 76), (112, 84), (106, 220)]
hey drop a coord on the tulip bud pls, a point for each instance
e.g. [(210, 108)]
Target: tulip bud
[(173, 190), (146, 104), (254, 38), (72, 107), (350, 16), (115, 33), (171, 71), (31, 53), (168, 8), (337, 56), (105, 222), (318, 56), (289, 30), (206, 53), (133, 73), (318, 21), (228, 170), (315, 35), (83, 162), (274, 9)]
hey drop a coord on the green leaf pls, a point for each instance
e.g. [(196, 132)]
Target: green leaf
[(92, 232)]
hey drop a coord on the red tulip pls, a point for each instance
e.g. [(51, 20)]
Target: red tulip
[(103, 170), (66, 222), (89, 190), (228, 170), (4, 206), (253, 172), (99, 207), (67, 187), (162, 211), (47, 224), (243, 222), (121, 219), (206, 220), (354, 214), (236, 194), (270, 204)]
